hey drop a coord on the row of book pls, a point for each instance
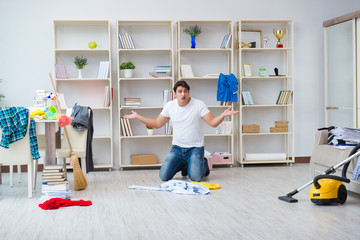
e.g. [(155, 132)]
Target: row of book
[(104, 69), (284, 97), (126, 127), (54, 182), (168, 96), (61, 70), (226, 43), (126, 41), (247, 98), (108, 96)]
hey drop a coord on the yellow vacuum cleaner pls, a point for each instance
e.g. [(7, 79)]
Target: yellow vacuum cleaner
[(327, 189)]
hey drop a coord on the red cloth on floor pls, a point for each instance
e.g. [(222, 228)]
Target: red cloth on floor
[(55, 203)]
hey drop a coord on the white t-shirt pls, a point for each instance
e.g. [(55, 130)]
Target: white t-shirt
[(186, 121)]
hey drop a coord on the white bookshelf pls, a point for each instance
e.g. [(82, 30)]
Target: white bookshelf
[(208, 58), (153, 47), (71, 38), (265, 91)]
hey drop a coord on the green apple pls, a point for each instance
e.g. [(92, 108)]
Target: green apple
[(92, 45)]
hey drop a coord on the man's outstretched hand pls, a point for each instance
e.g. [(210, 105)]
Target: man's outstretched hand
[(228, 112), (133, 115)]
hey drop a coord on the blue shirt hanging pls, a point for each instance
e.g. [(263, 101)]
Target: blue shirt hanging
[(227, 88)]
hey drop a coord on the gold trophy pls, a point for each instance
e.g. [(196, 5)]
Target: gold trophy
[(279, 34)]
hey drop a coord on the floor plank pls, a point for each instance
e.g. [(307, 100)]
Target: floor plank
[(246, 207)]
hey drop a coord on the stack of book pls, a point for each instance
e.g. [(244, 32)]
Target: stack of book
[(126, 127), (224, 128), (55, 184), (226, 43), (284, 97), (126, 41), (132, 102), (163, 69), (247, 98)]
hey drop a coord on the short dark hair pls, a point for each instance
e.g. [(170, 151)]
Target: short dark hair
[(181, 83)]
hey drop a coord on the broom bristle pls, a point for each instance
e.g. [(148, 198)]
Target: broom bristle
[(80, 182)]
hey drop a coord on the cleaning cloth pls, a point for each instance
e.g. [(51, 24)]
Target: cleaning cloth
[(55, 203), (176, 186)]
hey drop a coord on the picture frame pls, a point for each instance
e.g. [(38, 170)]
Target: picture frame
[(247, 69), (249, 36)]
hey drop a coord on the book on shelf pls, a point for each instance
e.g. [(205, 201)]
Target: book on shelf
[(228, 43), (284, 97), (168, 96), (126, 127), (108, 95), (103, 69), (122, 45), (126, 41), (247, 98), (61, 71), (186, 71), (53, 167), (159, 75)]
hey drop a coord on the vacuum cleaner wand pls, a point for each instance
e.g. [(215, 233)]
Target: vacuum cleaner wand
[(289, 197)]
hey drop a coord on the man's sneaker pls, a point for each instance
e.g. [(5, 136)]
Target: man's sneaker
[(208, 171), (184, 172)]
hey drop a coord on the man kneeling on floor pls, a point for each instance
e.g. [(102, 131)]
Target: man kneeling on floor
[(187, 153)]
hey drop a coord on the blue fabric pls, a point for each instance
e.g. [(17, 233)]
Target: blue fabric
[(227, 88), (13, 122), (177, 159)]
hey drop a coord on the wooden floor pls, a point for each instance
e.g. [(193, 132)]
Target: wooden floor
[(246, 207)]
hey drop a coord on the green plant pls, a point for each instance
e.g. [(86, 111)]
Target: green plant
[(193, 30), (80, 62), (127, 65)]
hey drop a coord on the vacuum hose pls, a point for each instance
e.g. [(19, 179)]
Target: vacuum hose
[(355, 149), (317, 178)]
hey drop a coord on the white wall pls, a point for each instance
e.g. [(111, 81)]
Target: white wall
[(26, 54)]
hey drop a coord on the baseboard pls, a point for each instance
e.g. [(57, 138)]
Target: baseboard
[(5, 169), (302, 159)]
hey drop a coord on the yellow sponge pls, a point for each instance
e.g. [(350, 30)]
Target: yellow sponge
[(211, 186)]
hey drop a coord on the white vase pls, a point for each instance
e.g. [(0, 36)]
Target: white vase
[(150, 131), (128, 73), (79, 74)]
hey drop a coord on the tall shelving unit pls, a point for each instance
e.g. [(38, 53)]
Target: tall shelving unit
[(71, 38), (207, 60), (153, 47), (265, 91)]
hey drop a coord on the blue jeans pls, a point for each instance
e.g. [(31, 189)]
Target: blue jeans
[(176, 161)]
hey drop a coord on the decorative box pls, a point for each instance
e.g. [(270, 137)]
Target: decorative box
[(252, 128), (222, 157), (142, 159)]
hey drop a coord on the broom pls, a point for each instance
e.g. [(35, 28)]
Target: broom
[(79, 178)]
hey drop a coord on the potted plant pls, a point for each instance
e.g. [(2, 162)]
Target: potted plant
[(128, 68), (150, 130), (80, 63), (193, 31)]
